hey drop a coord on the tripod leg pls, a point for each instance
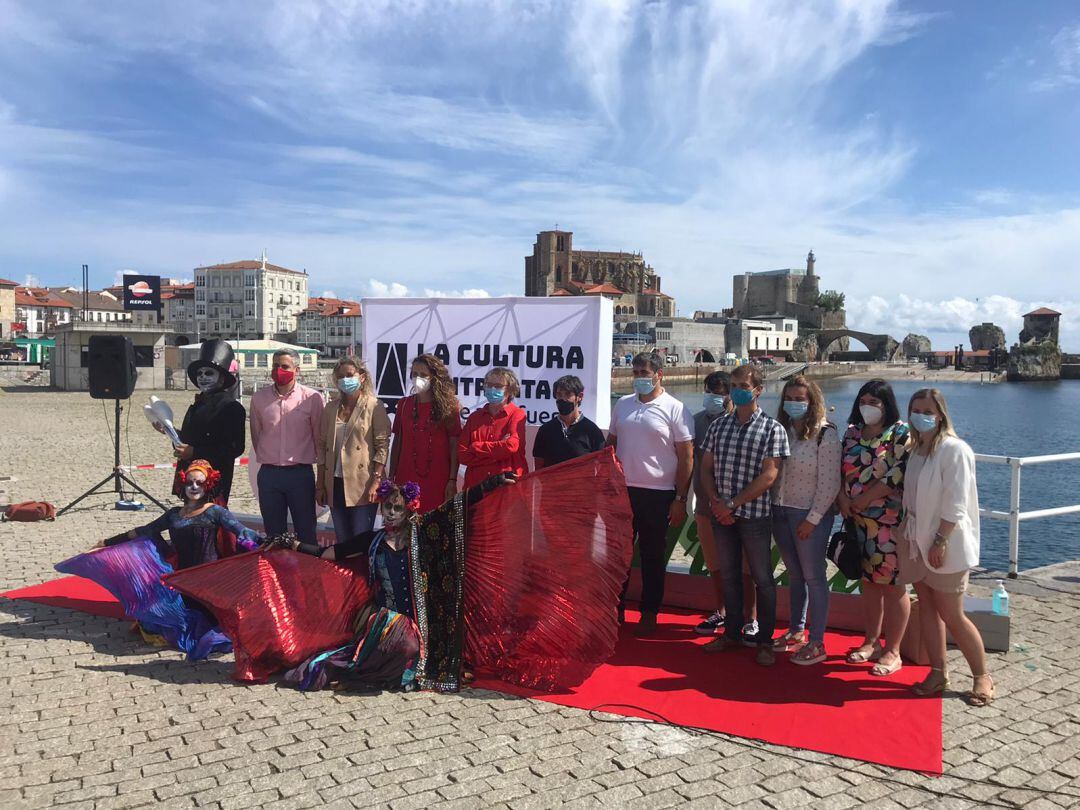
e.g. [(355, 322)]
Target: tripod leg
[(92, 491), (141, 491)]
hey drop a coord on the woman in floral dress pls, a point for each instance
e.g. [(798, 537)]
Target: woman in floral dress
[(871, 499)]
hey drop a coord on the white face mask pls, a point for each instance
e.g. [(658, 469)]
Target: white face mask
[(207, 379), (195, 490), (871, 414), (421, 384)]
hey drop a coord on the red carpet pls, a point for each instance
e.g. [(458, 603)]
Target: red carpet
[(833, 707), (74, 593)]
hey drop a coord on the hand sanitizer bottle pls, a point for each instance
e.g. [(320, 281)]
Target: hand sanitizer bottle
[(1000, 599)]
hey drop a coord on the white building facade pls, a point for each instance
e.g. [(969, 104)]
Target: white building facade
[(252, 300), (332, 326)]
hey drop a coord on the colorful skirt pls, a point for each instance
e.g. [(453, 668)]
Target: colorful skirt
[(382, 654)]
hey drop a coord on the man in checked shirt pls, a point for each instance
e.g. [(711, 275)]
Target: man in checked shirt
[(742, 453)]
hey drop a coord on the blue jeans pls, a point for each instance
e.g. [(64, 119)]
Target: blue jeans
[(350, 521), (752, 537), (805, 564), (285, 491)]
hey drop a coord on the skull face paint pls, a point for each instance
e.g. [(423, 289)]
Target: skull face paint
[(195, 486), (393, 511), (207, 379)]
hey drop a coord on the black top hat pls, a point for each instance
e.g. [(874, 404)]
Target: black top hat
[(215, 353)]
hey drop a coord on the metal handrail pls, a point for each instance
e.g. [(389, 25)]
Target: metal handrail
[(1014, 516)]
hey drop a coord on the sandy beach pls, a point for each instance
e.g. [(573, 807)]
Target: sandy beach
[(905, 371)]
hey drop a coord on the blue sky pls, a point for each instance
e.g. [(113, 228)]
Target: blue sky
[(926, 155)]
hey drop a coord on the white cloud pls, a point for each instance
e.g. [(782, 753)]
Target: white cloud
[(1065, 55), (379, 289), (30, 280), (328, 294)]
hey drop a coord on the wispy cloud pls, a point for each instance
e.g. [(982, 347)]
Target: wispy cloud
[(407, 147)]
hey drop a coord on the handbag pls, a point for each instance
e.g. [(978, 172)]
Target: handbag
[(844, 551), (30, 511)]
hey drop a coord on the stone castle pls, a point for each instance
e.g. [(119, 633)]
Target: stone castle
[(789, 293), (556, 268)]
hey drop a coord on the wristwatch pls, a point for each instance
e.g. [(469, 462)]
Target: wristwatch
[(729, 503), (681, 498)]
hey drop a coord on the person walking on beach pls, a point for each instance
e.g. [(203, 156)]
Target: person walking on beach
[(493, 440), (939, 541), (653, 436), (426, 429), (743, 451), (874, 455), (352, 448), (285, 422), (802, 514), (716, 402), (569, 434)]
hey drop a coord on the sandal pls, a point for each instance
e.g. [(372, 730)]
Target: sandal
[(979, 698), (812, 653), (880, 670), (930, 685), (789, 641), (867, 651)]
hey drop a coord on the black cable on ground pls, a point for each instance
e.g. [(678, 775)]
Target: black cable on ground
[(758, 744)]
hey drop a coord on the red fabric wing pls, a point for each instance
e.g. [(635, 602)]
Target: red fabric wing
[(278, 607), (545, 561)]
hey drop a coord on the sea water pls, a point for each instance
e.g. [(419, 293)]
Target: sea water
[(1015, 419)]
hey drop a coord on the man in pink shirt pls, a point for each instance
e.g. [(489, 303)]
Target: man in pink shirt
[(284, 424)]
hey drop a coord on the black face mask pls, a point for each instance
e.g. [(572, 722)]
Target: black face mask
[(565, 406)]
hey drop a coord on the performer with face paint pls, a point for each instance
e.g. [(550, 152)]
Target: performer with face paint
[(412, 633), (215, 424), (132, 572)]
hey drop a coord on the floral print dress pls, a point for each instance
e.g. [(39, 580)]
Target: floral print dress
[(864, 463)]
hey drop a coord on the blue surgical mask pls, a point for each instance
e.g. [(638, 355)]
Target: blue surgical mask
[(923, 422), (740, 396), (348, 385), (643, 386), (494, 395), (714, 404), (796, 410)]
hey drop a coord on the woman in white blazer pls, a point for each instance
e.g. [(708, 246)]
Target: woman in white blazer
[(940, 541)]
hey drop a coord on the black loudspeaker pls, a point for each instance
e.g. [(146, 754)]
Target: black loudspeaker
[(111, 365)]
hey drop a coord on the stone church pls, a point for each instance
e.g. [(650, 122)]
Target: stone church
[(555, 268)]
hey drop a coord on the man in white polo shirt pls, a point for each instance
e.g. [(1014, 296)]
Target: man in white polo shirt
[(653, 436)]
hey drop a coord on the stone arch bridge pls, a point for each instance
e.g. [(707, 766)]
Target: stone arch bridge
[(880, 347)]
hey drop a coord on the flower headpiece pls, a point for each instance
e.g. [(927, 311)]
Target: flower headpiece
[(213, 477), (410, 491)]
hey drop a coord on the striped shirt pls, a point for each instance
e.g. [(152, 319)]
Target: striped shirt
[(738, 453)]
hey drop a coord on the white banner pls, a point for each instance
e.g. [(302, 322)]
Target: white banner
[(539, 339)]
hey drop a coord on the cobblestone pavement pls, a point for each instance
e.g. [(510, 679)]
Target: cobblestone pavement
[(89, 719)]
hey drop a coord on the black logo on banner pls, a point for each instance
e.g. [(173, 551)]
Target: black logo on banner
[(142, 292), (391, 373)]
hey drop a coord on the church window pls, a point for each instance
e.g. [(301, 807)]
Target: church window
[(560, 243), (558, 272)]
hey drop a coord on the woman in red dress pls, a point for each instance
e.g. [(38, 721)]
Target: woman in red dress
[(426, 427)]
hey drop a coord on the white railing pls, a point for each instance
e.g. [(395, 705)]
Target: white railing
[(1014, 516)]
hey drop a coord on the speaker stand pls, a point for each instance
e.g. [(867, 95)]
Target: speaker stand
[(116, 477)]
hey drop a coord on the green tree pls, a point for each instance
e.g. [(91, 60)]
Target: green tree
[(831, 300)]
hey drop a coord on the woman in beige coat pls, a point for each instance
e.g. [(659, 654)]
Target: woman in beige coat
[(353, 446)]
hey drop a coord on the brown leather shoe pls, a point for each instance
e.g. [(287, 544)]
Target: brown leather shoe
[(646, 625), (765, 655), (721, 644)]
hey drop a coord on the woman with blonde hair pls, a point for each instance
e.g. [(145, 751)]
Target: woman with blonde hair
[(939, 541), (353, 445), (427, 424), (802, 514)]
